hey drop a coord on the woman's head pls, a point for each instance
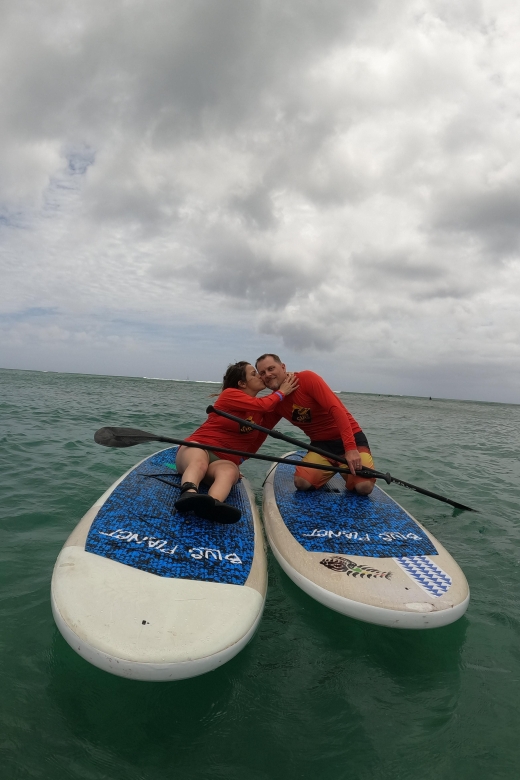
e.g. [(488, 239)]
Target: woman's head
[(236, 372), (243, 376)]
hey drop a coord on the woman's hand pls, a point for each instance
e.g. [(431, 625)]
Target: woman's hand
[(289, 384)]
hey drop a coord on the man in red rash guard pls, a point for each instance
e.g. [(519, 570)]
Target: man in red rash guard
[(317, 410)]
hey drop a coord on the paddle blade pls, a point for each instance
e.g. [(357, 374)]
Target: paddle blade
[(122, 437)]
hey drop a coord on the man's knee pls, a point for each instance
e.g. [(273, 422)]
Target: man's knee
[(364, 488), (301, 484)]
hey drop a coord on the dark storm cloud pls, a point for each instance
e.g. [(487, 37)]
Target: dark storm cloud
[(256, 207), (170, 71), (491, 215), (235, 269), (420, 277), (139, 84), (400, 266)]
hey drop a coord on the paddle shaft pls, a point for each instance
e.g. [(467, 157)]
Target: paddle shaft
[(364, 472), (211, 448)]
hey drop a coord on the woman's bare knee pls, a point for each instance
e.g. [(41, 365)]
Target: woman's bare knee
[(223, 475), (189, 456), (223, 470)]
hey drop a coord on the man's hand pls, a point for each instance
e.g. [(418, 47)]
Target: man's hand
[(353, 459)]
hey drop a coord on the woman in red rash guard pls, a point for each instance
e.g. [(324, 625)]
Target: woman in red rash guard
[(240, 387)]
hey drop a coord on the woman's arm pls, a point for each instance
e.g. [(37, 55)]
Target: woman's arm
[(239, 401)]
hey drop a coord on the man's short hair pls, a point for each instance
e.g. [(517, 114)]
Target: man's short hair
[(268, 354)]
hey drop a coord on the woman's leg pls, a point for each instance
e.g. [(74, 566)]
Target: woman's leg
[(192, 463), (222, 475)]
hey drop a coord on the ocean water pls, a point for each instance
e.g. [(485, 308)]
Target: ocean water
[(314, 694)]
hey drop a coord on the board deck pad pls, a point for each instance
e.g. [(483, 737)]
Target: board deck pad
[(430, 577), (139, 526), (336, 520)]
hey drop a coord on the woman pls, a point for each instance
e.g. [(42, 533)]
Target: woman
[(240, 387)]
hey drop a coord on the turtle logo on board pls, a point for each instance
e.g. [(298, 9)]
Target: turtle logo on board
[(348, 567), (300, 414)]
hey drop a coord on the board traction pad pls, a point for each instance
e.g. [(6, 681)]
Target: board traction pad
[(139, 526), (336, 520), (426, 574)]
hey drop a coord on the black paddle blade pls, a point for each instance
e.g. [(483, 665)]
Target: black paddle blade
[(122, 437)]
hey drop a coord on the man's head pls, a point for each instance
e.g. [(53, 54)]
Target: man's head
[(271, 370)]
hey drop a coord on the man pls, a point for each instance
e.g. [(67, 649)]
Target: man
[(317, 410)]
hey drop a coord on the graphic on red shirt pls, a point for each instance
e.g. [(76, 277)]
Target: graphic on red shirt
[(301, 414), (246, 428), (317, 410)]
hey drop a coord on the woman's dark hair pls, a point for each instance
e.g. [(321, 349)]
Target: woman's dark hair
[(236, 372)]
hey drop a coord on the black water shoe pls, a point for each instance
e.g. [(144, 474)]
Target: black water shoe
[(225, 513), (207, 507), (198, 503)]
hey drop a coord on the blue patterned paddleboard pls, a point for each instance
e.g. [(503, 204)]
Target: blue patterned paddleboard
[(145, 592), (139, 526), (364, 556)]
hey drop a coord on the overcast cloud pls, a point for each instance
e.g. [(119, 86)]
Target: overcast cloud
[(185, 183)]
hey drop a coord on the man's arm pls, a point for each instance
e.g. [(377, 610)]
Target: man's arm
[(329, 401)]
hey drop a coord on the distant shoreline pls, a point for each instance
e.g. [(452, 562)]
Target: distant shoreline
[(429, 399)]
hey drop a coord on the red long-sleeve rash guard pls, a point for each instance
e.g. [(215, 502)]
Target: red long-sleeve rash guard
[(219, 431), (315, 409)]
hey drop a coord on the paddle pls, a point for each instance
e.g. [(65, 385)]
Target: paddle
[(364, 472), (129, 437)]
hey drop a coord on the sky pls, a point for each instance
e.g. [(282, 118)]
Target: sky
[(188, 183)]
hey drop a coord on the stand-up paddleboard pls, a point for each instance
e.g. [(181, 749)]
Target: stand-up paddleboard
[(363, 556), (144, 592)]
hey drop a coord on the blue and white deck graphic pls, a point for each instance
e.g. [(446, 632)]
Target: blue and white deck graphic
[(426, 574), (139, 526), (335, 520)]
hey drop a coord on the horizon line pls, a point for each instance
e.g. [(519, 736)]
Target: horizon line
[(215, 382)]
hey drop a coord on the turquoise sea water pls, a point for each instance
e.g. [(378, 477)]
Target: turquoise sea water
[(315, 694)]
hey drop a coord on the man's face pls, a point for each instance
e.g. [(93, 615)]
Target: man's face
[(271, 372)]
